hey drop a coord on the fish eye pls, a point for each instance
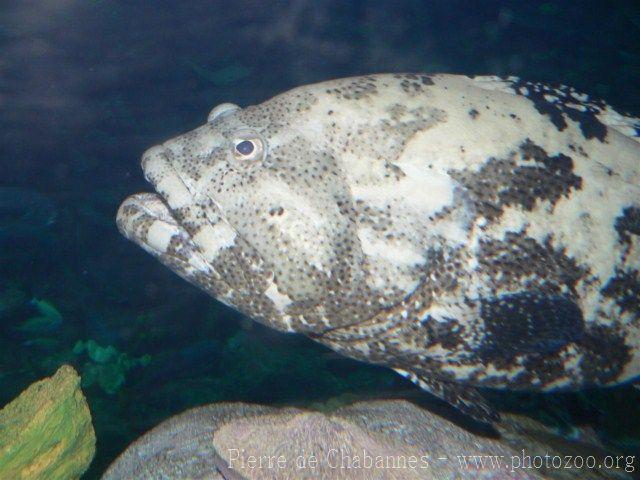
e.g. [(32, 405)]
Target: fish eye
[(245, 147), (248, 148)]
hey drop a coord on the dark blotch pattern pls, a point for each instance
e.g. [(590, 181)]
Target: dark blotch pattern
[(564, 104), (624, 288), (502, 182), (605, 355), (355, 88), (528, 322), (412, 83), (520, 261), (628, 224), (448, 332), (473, 113)]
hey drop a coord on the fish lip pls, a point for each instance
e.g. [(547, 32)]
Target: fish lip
[(176, 201), (158, 169), (150, 203), (170, 194), (179, 193), (134, 206)]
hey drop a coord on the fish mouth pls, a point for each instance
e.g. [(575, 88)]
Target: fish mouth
[(142, 211), (156, 221), (148, 219), (177, 224)]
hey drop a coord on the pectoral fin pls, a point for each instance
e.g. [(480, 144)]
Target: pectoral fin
[(464, 398)]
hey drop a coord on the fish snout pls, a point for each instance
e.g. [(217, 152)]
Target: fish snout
[(154, 162), (159, 171)]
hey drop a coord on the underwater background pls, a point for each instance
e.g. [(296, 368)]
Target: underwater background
[(87, 85)]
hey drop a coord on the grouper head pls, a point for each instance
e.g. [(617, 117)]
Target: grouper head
[(254, 208), (461, 230)]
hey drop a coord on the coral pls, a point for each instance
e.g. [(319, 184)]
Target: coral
[(107, 366), (370, 439), (46, 432)]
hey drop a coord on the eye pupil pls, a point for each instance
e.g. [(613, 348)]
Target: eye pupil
[(245, 147)]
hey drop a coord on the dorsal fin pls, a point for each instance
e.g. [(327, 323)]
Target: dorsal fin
[(567, 98)]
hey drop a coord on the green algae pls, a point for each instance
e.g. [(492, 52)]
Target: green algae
[(107, 367), (46, 432)]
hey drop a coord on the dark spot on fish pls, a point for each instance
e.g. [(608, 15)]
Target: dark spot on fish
[(394, 170), (628, 224), (559, 164), (410, 87), (447, 332), (624, 288), (354, 88), (473, 113), (528, 323), (426, 80), (520, 261), (605, 355), (276, 211), (539, 370), (444, 265), (544, 107), (562, 102), (503, 182), (578, 149), (590, 125)]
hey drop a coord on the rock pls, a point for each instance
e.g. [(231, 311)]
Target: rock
[(382, 439), (46, 432)]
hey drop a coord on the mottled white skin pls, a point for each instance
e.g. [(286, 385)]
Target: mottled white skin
[(419, 222)]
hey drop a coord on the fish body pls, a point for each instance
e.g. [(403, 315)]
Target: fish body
[(464, 231)]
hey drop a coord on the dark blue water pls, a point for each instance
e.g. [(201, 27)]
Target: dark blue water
[(86, 86)]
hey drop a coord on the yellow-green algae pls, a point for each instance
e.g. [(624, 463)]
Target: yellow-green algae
[(46, 432)]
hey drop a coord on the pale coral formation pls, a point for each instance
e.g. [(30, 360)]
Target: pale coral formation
[(383, 439)]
